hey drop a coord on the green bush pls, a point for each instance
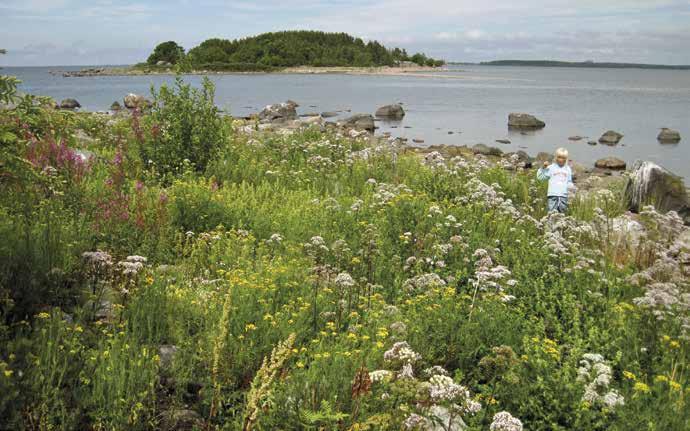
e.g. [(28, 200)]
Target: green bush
[(184, 127)]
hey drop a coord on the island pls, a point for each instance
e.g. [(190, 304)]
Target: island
[(284, 51), (587, 64)]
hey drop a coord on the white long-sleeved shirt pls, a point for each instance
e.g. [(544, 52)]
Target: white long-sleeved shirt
[(560, 179)]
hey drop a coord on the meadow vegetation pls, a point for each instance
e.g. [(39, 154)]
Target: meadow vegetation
[(167, 269)]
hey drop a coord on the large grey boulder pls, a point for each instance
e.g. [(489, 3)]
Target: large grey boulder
[(279, 112), (650, 184), (133, 101), (524, 121), (610, 137), (391, 112), (611, 163), (360, 122), (486, 150), (70, 104), (668, 136)]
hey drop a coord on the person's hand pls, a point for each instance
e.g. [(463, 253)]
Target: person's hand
[(546, 164)]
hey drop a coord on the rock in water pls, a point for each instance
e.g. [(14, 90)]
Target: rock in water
[(503, 141), (668, 136), (391, 112), (329, 114), (576, 138), (360, 122), (612, 163), (650, 184), (486, 150), (591, 142), (132, 101), (70, 104), (279, 112), (524, 121), (611, 137)]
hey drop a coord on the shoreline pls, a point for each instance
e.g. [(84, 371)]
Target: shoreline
[(418, 71)]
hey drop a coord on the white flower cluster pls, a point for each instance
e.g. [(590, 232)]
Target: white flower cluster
[(423, 283), (387, 192), (131, 266), (316, 246), (597, 375), (504, 421), (402, 352), (487, 275), (380, 375), (344, 280), (491, 197), (97, 259), (417, 422), (443, 388), (275, 239)]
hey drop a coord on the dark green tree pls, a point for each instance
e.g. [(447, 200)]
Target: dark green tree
[(169, 52)]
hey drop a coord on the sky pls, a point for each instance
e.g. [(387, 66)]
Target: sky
[(93, 32)]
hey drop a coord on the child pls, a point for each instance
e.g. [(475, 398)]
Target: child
[(560, 178)]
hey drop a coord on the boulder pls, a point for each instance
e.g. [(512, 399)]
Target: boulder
[(610, 137), (329, 114), (115, 106), (503, 141), (650, 184), (668, 136), (486, 150), (70, 104), (180, 419), (592, 142), (391, 112), (292, 103), (166, 353), (418, 141), (360, 122), (279, 112), (162, 63), (524, 121), (611, 163), (576, 138), (132, 101)]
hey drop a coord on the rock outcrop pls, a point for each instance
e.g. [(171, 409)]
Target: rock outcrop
[(279, 112), (70, 104), (611, 163), (668, 136), (611, 137), (486, 150), (132, 101), (391, 112), (359, 122), (524, 121), (650, 184)]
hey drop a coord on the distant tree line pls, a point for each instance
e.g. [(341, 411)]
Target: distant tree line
[(287, 49)]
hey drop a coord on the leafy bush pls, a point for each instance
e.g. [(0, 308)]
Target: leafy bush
[(184, 127), (169, 52)]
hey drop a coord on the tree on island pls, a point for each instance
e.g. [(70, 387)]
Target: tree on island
[(287, 49), (169, 52)]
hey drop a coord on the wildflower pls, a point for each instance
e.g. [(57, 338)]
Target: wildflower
[(380, 375), (641, 387), (344, 280), (443, 388), (402, 352), (415, 422), (504, 421)]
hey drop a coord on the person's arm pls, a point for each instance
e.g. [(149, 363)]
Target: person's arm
[(544, 173), (571, 185)]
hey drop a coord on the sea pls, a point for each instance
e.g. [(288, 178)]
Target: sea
[(461, 105)]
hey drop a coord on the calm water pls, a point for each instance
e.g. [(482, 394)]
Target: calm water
[(474, 101)]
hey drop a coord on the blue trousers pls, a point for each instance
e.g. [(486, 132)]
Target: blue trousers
[(557, 203)]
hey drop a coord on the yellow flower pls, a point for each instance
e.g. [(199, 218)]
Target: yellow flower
[(674, 344), (379, 345), (8, 373), (641, 387), (660, 379), (300, 364), (675, 386), (43, 315), (666, 338), (149, 280), (330, 325), (628, 375), (249, 327)]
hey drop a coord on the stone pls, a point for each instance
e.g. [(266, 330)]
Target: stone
[(70, 104), (651, 184), (576, 138), (115, 106), (329, 114), (391, 112), (591, 142), (279, 112), (360, 122), (132, 101), (668, 136), (292, 103), (166, 353), (524, 121), (486, 150), (418, 141), (503, 141), (611, 163), (610, 137), (180, 420)]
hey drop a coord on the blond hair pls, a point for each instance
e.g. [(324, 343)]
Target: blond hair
[(562, 152)]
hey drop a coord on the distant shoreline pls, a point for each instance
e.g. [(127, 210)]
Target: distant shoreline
[(582, 64), (303, 70)]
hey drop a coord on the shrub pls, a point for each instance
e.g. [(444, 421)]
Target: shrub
[(184, 125)]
